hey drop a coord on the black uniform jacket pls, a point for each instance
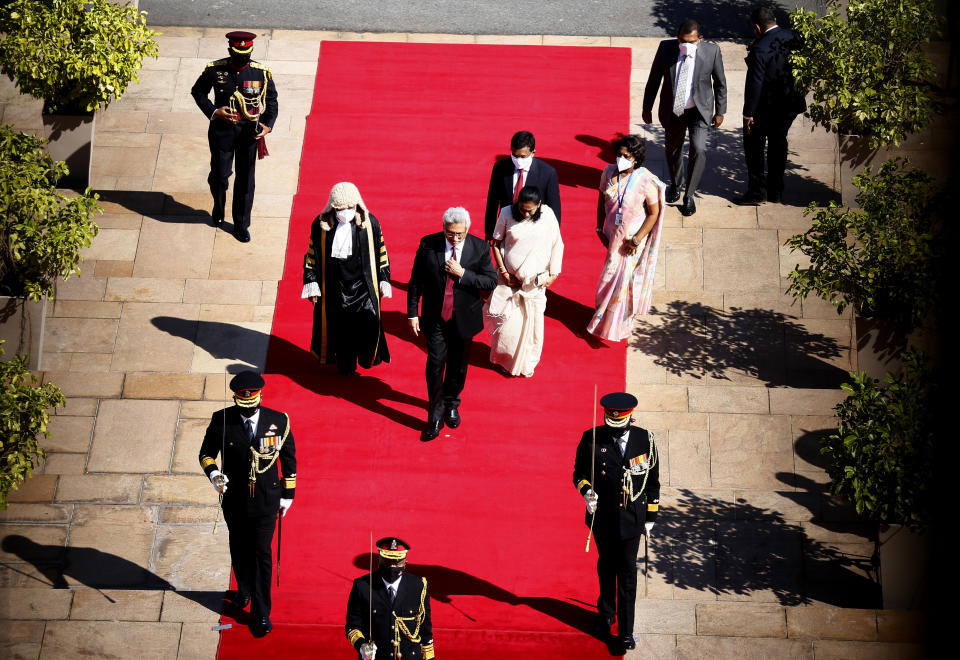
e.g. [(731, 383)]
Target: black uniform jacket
[(226, 430), (769, 90), (612, 516), (429, 279), (409, 595), (224, 79), (500, 193)]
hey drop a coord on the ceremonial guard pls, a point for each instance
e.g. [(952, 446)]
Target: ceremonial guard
[(617, 471), (242, 112), (256, 445), (346, 272), (395, 620)]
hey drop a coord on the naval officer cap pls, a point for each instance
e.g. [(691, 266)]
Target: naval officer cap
[(247, 382), (617, 407), (392, 548)]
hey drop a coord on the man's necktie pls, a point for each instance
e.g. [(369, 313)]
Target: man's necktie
[(250, 430), (393, 594), (446, 313), (680, 93), (516, 188)]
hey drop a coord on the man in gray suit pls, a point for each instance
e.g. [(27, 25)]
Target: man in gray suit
[(693, 98)]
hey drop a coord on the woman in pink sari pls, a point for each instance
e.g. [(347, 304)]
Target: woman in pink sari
[(629, 219)]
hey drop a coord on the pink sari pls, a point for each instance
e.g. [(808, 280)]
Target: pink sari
[(626, 282)]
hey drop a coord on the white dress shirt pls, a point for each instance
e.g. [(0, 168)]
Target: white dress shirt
[(517, 173)]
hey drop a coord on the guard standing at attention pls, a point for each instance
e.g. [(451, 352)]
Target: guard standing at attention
[(243, 111), (396, 619), (624, 497), (255, 444)]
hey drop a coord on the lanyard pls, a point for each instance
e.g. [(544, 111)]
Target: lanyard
[(625, 187)]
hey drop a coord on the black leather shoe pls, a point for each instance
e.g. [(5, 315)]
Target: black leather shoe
[(240, 600), (750, 199), (242, 235), (673, 193), (628, 642), (433, 429), (601, 629), (261, 626), (688, 208), (217, 222), (451, 417)]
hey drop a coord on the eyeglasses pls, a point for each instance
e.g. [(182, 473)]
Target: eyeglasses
[(454, 234)]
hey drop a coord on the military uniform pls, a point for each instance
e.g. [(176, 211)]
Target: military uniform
[(251, 93), (628, 491), (260, 471)]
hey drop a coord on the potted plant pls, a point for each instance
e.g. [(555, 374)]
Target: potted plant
[(41, 234), (77, 56), (24, 417), (866, 74)]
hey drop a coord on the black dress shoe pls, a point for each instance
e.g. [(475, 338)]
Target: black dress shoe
[(451, 417), (673, 193), (628, 642), (242, 235), (688, 208), (217, 222), (750, 199), (240, 600), (433, 429), (261, 626), (601, 629)]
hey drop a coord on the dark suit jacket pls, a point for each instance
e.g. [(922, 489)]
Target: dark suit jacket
[(612, 518), (709, 83), (769, 89), (226, 431), (500, 193), (361, 606), (428, 281)]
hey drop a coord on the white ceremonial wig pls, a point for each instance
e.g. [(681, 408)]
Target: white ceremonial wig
[(342, 196), (456, 215)]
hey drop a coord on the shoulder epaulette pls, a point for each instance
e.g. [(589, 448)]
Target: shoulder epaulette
[(223, 60), (262, 67)]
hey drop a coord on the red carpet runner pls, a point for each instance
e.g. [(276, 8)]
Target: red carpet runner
[(489, 509)]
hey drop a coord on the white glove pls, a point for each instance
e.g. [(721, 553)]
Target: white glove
[(285, 505), (386, 291), (648, 526), (368, 651), (591, 499), (217, 474)]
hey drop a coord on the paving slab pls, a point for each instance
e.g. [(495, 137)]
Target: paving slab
[(144, 289), (100, 488), (168, 329), (740, 259), (35, 604), (170, 489), (69, 434), (747, 451), (695, 647), (186, 241), (190, 434), (86, 385), (832, 623), (134, 435), (192, 557), (116, 605), (106, 639), (21, 639), (746, 619), (192, 606), (689, 456), (38, 488), (72, 335), (110, 547), (836, 650), (163, 386), (665, 617)]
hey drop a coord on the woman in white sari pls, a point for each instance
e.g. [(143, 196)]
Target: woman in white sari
[(528, 251)]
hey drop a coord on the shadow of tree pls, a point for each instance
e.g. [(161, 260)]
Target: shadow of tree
[(95, 569), (691, 339), (721, 19)]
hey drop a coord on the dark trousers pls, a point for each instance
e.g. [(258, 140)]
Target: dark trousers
[(447, 357), (251, 557), (617, 573), (767, 134), (232, 144), (675, 131)]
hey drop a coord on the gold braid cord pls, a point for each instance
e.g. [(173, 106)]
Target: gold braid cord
[(256, 458), (402, 624), (628, 475), (249, 108)]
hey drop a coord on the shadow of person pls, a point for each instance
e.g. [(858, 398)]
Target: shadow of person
[(574, 315), (95, 569), (156, 205), (226, 341), (723, 19)]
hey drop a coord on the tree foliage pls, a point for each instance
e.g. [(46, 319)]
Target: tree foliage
[(884, 258), (76, 55), (882, 456), (23, 420), (41, 230), (868, 73)]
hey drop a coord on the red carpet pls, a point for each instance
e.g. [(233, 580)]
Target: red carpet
[(489, 509)]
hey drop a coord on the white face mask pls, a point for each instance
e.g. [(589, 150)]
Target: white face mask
[(624, 164), (522, 163), (688, 49), (346, 215)]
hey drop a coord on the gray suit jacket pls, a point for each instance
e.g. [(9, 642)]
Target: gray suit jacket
[(709, 82)]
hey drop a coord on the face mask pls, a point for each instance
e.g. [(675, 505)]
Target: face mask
[(391, 573), (624, 164), (522, 163), (239, 60), (688, 49), (346, 215)]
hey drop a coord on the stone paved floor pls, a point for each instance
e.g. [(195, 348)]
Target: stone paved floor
[(752, 556)]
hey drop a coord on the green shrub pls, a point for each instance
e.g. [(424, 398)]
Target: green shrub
[(884, 258), (868, 73), (23, 419), (882, 456), (41, 230), (76, 55)]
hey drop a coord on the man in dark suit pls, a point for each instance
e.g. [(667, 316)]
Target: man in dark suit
[(251, 440), (622, 492), (450, 270), (770, 104), (509, 175), (693, 98), (390, 610)]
